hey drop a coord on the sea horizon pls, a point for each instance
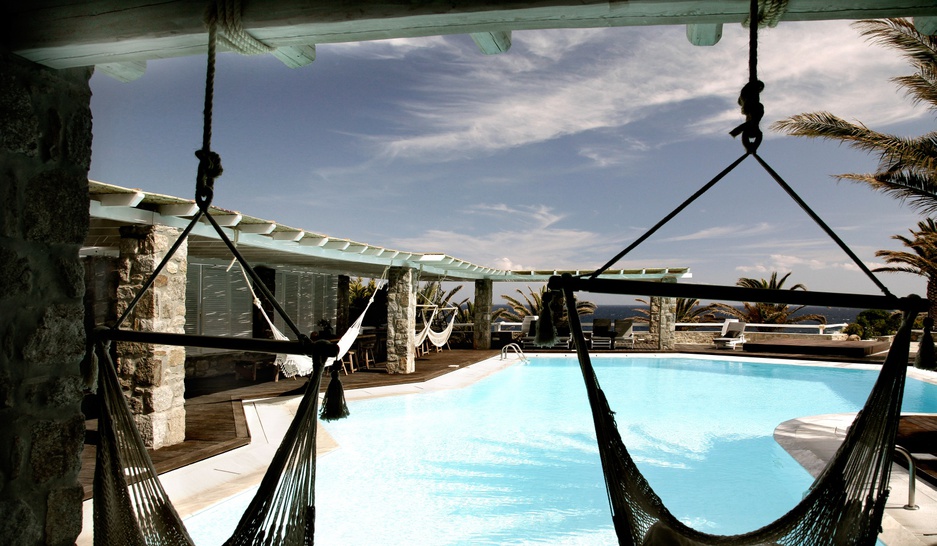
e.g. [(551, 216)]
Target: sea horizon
[(834, 315)]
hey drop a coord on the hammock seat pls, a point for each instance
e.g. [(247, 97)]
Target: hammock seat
[(845, 504), (131, 506), (440, 339)]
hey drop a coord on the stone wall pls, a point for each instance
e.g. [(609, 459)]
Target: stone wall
[(153, 376), (45, 152), (401, 320), (706, 338), (481, 330), (662, 321)]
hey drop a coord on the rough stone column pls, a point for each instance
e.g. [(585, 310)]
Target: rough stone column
[(153, 376), (663, 322), (482, 318), (45, 151), (401, 320)]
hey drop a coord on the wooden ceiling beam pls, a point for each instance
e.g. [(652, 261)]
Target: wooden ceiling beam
[(71, 33)]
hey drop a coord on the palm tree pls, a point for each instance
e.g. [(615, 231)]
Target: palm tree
[(922, 260), (767, 313), (432, 294), (686, 310), (907, 167), (532, 305), (359, 293)]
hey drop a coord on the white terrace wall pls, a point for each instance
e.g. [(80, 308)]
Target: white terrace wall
[(45, 152)]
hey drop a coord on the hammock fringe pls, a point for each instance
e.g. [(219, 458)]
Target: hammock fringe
[(334, 406)]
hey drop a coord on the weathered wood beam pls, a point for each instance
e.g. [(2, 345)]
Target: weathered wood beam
[(492, 43), (704, 35), (126, 71), (69, 33), (296, 56)]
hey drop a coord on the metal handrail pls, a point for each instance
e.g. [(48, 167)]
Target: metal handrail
[(517, 350), (912, 478)]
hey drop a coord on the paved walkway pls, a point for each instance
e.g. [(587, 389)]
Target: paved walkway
[(813, 441)]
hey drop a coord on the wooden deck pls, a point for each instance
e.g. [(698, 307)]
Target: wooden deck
[(215, 420), (918, 434)]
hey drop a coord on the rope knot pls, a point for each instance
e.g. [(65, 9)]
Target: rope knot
[(754, 111), (209, 168)]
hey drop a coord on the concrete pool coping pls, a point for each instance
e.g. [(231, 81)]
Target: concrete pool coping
[(201, 485)]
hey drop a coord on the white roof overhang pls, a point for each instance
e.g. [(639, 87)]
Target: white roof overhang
[(263, 241)]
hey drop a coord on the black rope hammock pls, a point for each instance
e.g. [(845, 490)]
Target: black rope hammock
[(845, 504), (130, 505)]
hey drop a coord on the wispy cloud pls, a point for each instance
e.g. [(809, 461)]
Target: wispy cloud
[(725, 232), (556, 83), (524, 237)]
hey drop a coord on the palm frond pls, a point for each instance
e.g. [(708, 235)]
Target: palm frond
[(900, 34)]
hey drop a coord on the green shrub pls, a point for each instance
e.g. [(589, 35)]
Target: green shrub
[(853, 329), (875, 322)]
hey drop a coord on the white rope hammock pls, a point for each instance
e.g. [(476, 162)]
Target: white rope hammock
[(440, 339), (424, 333), (301, 365), (350, 335)]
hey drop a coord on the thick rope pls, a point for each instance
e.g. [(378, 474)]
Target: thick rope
[(750, 96), (227, 15), (209, 163), (769, 13)]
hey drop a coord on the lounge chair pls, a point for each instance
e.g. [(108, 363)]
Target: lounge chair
[(529, 331), (733, 335), (624, 334), (602, 334)]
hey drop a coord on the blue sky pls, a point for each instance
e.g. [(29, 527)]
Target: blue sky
[(556, 154)]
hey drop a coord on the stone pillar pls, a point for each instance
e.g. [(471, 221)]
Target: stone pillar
[(342, 302), (663, 322), (45, 151), (482, 317), (401, 320), (153, 376)]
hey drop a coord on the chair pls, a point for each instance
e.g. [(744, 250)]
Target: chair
[(348, 363), (366, 347), (602, 333), (529, 331), (624, 333), (733, 335)]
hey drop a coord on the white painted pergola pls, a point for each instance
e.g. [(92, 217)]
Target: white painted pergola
[(267, 241), (119, 36)]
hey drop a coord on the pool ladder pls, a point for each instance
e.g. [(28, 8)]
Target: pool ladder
[(912, 477), (516, 349)]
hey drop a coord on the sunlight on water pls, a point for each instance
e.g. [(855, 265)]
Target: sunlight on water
[(512, 459)]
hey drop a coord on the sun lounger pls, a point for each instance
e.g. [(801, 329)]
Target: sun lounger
[(624, 334), (733, 335)]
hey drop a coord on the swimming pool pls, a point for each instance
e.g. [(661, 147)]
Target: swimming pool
[(512, 458)]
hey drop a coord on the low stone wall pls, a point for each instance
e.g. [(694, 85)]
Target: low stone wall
[(706, 338)]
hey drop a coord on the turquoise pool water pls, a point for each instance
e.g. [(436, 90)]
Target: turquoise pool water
[(512, 458)]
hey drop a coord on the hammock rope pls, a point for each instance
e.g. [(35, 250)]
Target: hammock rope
[(846, 502), (843, 506), (130, 504)]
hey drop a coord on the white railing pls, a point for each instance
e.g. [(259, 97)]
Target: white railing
[(701, 327), (717, 327)]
